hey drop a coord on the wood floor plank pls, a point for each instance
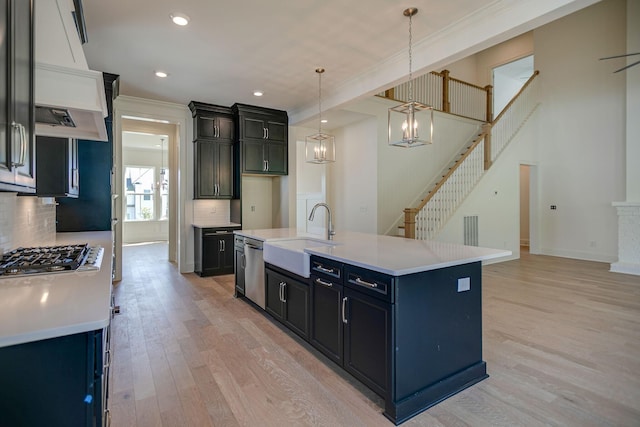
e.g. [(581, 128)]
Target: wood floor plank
[(561, 339)]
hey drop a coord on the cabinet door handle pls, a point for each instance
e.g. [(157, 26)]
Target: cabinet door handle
[(244, 261), (217, 131), (264, 133), (267, 129), (267, 162), (326, 270), (23, 137), (359, 281), (344, 304), (322, 282), (223, 246)]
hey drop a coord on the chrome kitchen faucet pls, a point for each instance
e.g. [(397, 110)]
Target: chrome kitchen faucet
[(330, 232)]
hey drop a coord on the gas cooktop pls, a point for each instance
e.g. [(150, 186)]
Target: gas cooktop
[(50, 259)]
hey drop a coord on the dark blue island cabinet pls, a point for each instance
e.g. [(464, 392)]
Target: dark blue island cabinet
[(60, 381), (414, 339)]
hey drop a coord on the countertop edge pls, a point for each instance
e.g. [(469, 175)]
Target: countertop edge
[(407, 271)]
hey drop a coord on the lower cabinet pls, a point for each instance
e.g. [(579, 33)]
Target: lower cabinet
[(214, 251), (56, 382), (352, 329), (288, 300), (413, 339)]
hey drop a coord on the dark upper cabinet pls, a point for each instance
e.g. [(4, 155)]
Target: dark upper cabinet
[(212, 122), (57, 167), (263, 138), (214, 151), (213, 170), (273, 129), (17, 111)]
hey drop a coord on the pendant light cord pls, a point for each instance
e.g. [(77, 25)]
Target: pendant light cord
[(319, 71), (410, 60)]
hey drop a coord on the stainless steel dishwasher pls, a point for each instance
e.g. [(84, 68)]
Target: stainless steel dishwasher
[(254, 271)]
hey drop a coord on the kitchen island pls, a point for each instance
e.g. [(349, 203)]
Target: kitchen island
[(54, 342), (402, 316)]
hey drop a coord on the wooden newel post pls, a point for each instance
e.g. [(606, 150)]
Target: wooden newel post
[(446, 105), (410, 223), (486, 130), (489, 90)]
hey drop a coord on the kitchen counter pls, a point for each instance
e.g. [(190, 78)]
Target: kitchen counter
[(215, 225), (38, 307), (333, 295), (391, 255)]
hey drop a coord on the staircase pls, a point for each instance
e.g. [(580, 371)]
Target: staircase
[(425, 221)]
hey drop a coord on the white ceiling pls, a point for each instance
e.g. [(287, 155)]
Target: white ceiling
[(231, 48)]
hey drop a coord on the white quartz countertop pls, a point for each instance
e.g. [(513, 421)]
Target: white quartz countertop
[(275, 234), (396, 256), (215, 225), (37, 307)]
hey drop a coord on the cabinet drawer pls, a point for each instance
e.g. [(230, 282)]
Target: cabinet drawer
[(372, 283), (327, 268)]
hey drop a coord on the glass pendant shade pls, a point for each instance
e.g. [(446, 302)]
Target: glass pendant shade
[(410, 125), (320, 148)]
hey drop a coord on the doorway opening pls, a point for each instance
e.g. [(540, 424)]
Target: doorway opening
[(148, 180), (528, 208), (508, 79)]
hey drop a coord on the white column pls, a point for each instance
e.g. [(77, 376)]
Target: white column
[(628, 238), (629, 211)]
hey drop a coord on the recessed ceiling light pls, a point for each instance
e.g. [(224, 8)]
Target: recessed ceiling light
[(258, 93), (324, 121), (161, 74), (179, 19)]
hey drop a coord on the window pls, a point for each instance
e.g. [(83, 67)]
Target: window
[(140, 193)]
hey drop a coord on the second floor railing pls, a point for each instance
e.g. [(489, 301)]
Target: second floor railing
[(447, 94)]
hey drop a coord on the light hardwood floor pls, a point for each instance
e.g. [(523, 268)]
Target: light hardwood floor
[(561, 340)]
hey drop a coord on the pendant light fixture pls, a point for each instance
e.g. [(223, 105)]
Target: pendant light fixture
[(410, 124), (320, 147)]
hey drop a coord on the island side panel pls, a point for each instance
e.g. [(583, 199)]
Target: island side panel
[(438, 335)]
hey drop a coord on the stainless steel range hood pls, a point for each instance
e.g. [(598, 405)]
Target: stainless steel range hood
[(70, 98)]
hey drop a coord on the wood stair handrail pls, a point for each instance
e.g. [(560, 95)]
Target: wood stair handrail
[(524, 86), (446, 176), (410, 213)]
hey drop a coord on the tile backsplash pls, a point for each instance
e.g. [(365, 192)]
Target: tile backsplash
[(26, 221), (211, 211)]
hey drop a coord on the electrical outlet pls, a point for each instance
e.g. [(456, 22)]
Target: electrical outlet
[(214, 210), (253, 208), (464, 284), (553, 207)]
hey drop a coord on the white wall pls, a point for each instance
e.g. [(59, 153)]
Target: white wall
[(575, 138), (353, 176)]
